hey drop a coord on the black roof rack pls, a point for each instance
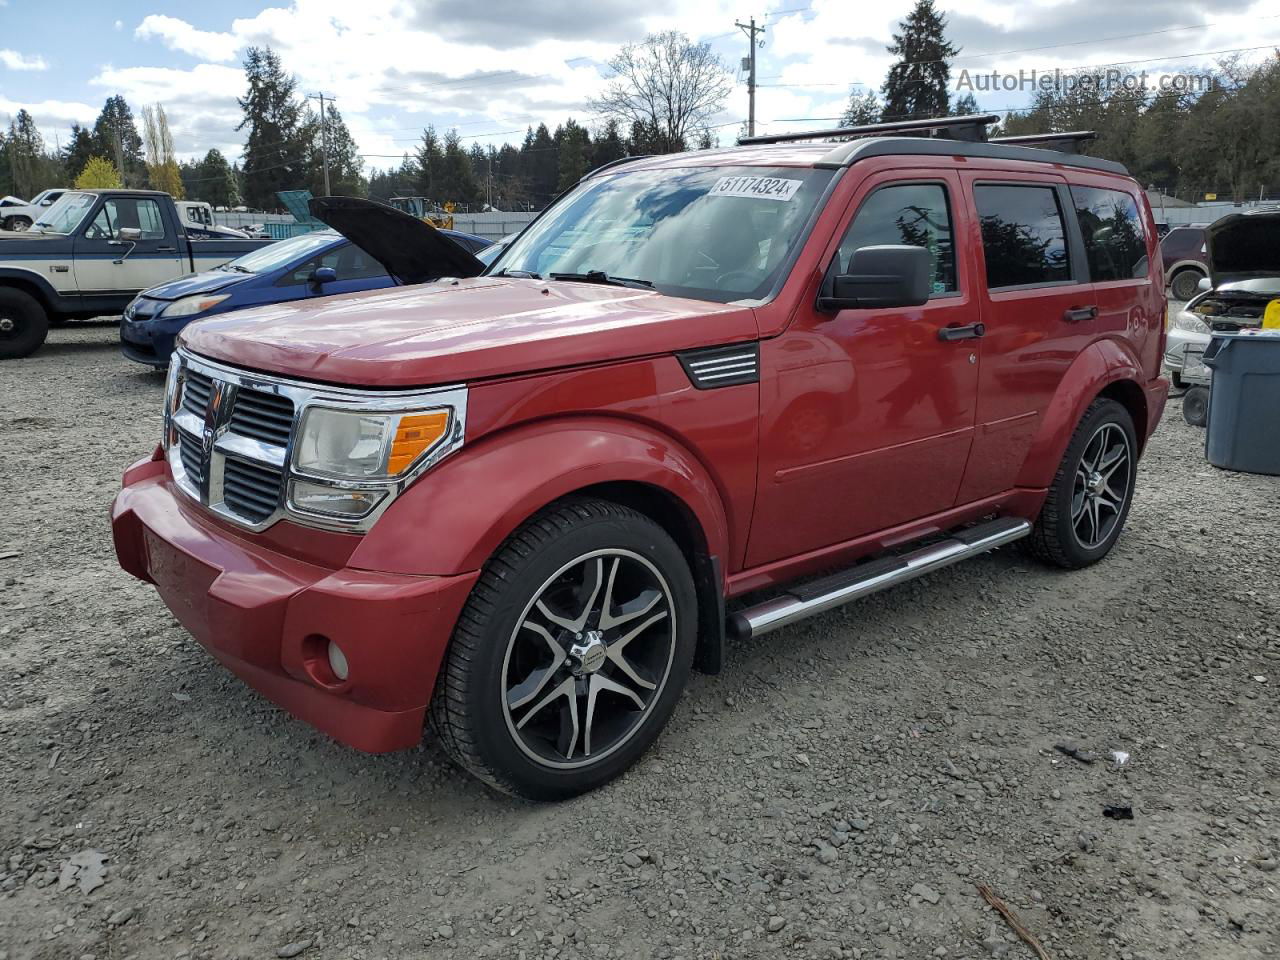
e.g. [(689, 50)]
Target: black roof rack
[(971, 128), (1062, 142)]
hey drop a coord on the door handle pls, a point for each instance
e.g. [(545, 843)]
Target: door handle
[(1080, 314), (166, 249), (970, 331)]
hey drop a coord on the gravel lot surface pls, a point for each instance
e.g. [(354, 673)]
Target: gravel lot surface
[(837, 792)]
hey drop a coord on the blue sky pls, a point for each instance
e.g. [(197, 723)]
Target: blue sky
[(493, 67)]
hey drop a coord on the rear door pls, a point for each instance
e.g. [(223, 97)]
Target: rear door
[(1039, 311), (106, 265)]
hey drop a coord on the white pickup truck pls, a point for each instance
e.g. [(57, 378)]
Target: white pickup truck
[(91, 252)]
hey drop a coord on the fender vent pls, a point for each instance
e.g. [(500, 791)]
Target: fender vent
[(722, 366)]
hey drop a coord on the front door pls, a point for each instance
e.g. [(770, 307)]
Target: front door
[(106, 265), (867, 415)]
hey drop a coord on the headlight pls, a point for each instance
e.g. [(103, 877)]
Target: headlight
[(190, 306), (1189, 322), (359, 445)]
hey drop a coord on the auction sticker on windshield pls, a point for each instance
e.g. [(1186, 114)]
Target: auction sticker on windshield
[(761, 188)]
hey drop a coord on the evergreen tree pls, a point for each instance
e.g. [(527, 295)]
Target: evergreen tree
[(916, 87), (607, 146), (966, 105), (542, 165), (115, 136), (346, 166), (78, 150), (572, 143), (429, 164), (458, 182), (25, 149), (217, 180), (862, 108), (277, 150)]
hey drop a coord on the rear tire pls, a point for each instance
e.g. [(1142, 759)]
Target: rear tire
[(23, 324), (535, 680), (1185, 284), (1090, 496)]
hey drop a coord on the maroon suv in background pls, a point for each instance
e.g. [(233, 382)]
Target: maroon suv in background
[(1185, 260)]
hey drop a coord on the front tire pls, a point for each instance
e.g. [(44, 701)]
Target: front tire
[(570, 653), (1089, 499), (16, 224), (1185, 284), (23, 324)]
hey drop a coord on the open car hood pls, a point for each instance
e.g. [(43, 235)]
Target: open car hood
[(1242, 246), (411, 250)]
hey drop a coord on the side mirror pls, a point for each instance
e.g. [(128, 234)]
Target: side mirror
[(890, 275), (46, 203), (129, 234), (1205, 285), (322, 275)]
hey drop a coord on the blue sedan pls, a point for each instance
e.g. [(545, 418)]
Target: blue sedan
[(320, 264)]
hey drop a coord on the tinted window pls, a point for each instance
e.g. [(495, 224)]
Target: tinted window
[(1114, 240), (1183, 243), (127, 212), (913, 214), (1022, 235)]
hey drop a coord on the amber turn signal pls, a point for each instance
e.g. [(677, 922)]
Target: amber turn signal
[(414, 435)]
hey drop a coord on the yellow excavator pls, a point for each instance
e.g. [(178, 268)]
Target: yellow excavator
[(440, 217)]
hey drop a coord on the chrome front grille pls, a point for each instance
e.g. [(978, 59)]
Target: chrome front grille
[(251, 490), (229, 441), (196, 392), (264, 416)]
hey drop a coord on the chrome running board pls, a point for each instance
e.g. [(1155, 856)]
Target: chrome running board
[(819, 596)]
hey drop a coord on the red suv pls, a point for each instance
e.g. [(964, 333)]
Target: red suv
[(519, 502)]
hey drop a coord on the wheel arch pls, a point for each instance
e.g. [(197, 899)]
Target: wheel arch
[(31, 284), (459, 514), (1104, 368)]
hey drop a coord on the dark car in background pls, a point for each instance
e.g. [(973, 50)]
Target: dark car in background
[(1185, 260), (320, 264)]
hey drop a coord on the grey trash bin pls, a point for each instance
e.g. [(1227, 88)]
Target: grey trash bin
[(1243, 432)]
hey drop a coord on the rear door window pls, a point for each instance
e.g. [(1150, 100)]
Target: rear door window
[(1114, 241), (914, 214), (1024, 239)]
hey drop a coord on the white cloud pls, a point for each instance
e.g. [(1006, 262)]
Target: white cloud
[(51, 113), (13, 60), (181, 36), (119, 24)]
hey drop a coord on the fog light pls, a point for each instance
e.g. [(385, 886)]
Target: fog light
[(338, 661), (333, 501)]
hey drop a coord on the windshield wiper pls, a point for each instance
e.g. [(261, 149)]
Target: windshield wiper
[(519, 274), (237, 268), (599, 276)]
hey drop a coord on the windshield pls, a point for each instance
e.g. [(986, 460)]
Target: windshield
[(281, 254), (65, 215), (710, 233)]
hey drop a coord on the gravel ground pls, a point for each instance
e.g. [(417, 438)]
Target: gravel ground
[(837, 792)]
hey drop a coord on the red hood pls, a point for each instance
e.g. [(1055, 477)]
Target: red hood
[(463, 330)]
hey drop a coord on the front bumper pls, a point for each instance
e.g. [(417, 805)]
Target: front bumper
[(1176, 342), (142, 343), (268, 616)]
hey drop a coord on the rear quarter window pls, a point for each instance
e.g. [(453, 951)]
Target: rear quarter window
[(1024, 240), (1182, 244), (1115, 243)]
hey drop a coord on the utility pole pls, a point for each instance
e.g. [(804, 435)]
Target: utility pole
[(324, 137), (749, 64)]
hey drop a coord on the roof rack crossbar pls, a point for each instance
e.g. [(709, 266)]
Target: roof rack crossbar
[(1068, 142), (972, 127)]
